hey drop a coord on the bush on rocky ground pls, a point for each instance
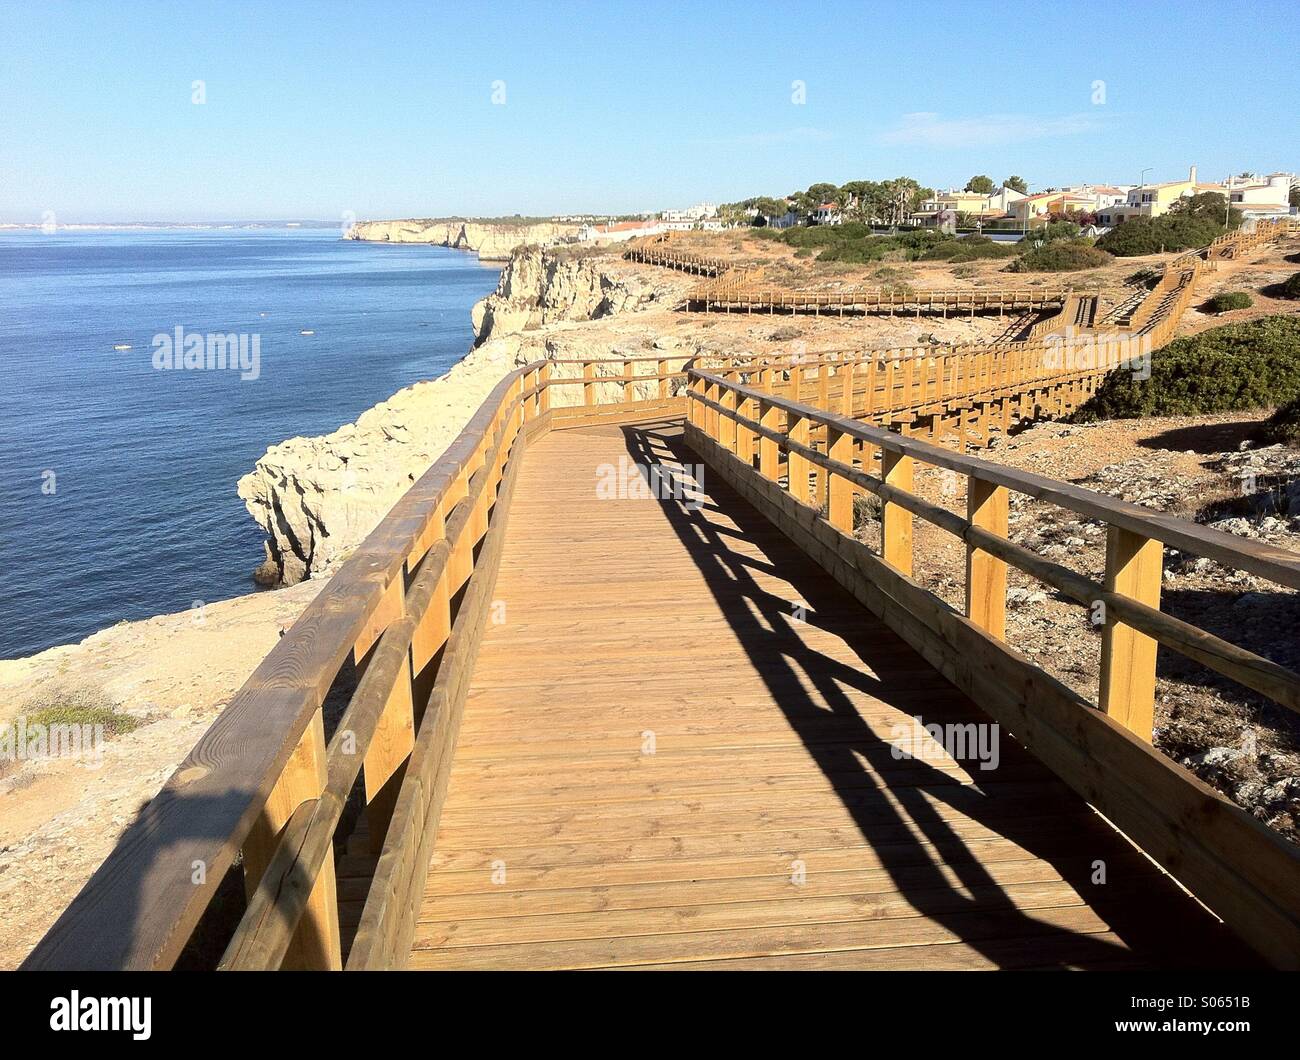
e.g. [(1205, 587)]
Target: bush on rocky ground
[(1252, 365), (1227, 301), (1061, 255), (1284, 425), (1145, 235)]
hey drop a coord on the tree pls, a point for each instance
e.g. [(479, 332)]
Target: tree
[(770, 207), (867, 196), (980, 184), (1207, 206), (1017, 184), (902, 196), (1294, 197), (820, 193)]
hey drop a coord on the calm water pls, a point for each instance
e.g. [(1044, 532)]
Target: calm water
[(143, 517)]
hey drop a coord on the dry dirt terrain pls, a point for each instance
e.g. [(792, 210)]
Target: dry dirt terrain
[(1205, 468), (170, 676)]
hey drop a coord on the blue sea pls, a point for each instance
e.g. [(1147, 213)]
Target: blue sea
[(117, 479)]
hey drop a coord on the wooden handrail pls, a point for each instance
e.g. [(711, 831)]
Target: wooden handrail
[(261, 779), (1241, 869), (1266, 561)]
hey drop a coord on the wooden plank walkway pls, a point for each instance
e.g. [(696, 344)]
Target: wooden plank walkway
[(772, 825)]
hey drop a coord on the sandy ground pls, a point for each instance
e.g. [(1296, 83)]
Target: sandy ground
[(174, 674)]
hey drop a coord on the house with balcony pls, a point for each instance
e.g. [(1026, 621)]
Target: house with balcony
[(1103, 196), (1037, 209), (1261, 197), (827, 214), (973, 204), (1155, 200)]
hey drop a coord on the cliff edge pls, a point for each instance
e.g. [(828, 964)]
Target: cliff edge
[(491, 240), (317, 498)]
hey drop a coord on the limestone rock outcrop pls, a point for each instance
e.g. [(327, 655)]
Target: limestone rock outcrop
[(538, 288), (491, 240), (317, 498)]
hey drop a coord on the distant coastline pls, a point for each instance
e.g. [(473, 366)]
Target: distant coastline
[(147, 226)]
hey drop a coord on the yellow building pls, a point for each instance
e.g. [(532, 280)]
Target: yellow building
[(1035, 209), (1155, 200)]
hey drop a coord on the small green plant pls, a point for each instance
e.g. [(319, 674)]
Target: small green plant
[(1290, 287), (867, 508), (1061, 255), (1230, 300), (1283, 427), (114, 721)]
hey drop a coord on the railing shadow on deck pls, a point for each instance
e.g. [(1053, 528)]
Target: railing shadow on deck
[(914, 843)]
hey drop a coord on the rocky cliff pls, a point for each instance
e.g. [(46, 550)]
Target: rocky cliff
[(492, 241), (537, 288), (317, 498)]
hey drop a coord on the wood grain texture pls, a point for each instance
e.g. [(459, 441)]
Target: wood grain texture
[(1239, 867), (676, 751)]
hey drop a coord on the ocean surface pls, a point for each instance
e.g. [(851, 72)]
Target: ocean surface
[(117, 479)]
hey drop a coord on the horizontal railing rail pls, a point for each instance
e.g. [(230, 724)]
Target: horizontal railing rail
[(1240, 868), (263, 784)]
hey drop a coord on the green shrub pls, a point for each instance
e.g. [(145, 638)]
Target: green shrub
[(1290, 287), (969, 248), (1050, 231), (1284, 425), (1237, 367), (1061, 255), (1230, 300), (1172, 232)]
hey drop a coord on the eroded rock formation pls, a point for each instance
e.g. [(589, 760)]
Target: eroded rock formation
[(317, 498), (492, 241)]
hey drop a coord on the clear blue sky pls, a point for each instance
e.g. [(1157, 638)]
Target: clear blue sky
[(384, 109)]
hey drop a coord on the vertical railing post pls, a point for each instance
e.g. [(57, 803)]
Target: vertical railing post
[(544, 379), (896, 530), (394, 737), (986, 575), (315, 945), (661, 370), (628, 371), (727, 425), (460, 564), (744, 435), (797, 466), (588, 385), (711, 392), (1128, 657), (839, 503), (435, 625), (769, 451)]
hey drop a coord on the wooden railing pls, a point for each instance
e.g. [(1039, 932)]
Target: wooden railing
[(1230, 244), (663, 252), (729, 293), (408, 608), (924, 387), (1242, 870)]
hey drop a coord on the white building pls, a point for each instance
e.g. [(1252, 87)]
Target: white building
[(827, 214), (618, 231), (698, 212), (1102, 195), (1261, 197)]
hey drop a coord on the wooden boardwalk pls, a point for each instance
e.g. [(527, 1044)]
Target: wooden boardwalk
[(660, 765)]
